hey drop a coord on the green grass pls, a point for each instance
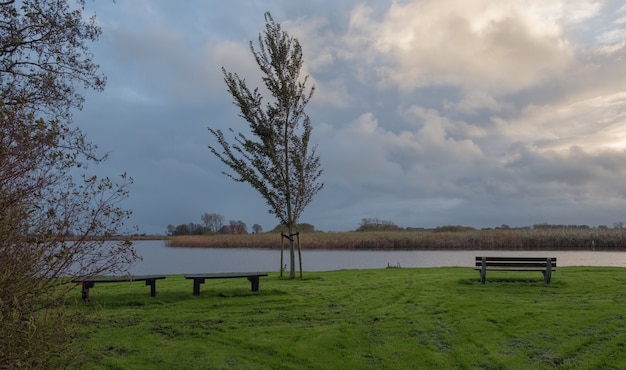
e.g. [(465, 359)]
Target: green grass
[(354, 319)]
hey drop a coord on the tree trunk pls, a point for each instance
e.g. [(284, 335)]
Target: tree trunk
[(299, 255), (292, 255)]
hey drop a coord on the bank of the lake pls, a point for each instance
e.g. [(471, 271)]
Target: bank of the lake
[(492, 239), (392, 318)]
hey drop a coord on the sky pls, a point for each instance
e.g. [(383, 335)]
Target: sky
[(426, 112)]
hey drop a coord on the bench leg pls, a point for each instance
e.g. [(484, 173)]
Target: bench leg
[(152, 284), (85, 290), (254, 283), (483, 271), (547, 275), (196, 285)]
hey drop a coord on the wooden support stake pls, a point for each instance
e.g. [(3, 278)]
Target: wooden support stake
[(282, 249), (299, 253)]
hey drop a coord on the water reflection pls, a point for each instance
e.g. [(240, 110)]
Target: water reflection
[(160, 259)]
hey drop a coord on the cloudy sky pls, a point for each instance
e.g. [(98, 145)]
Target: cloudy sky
[(426, 112)]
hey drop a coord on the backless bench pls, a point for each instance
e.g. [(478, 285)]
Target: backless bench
[(89, 282), (198, 279)]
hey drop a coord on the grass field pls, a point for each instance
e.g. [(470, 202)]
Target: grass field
[(395, 318)]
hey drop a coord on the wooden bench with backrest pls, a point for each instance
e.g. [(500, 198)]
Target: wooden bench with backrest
[(198, 279), (544, 265), (88, 283)]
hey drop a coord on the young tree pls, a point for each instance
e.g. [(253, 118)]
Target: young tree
[(54, 222), (277, 161)]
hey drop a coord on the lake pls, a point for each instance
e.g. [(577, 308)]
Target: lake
[(160, 259)]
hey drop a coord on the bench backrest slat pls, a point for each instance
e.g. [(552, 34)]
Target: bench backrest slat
[(516, 261), (513, 259), (516, 264)]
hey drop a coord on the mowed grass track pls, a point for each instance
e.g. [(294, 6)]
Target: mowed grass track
[(396, 318)]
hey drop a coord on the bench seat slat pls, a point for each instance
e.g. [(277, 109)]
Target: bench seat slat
[(225, 275), (533, 265), (515, 259), (119, 279), (513, 269)]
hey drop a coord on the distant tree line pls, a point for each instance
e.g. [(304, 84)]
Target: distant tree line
[(212, 223), (300, 227), (453, 228), (375, 224), (558, 226), (187, 229), (619, 225)]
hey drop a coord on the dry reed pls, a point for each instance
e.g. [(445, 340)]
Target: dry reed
[(498, 239)]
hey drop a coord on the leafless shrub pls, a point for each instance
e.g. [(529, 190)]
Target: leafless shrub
[(55, 218)]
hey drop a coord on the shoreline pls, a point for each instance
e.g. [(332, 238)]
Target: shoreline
[(609, 240)]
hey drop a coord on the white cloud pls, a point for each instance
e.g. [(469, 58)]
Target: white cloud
[(449, 128), (332, 93), (235, 57), (612, 36), (474, 101), (596, 124), (497, 46), (317, 43), (612, 48), (408, 162)]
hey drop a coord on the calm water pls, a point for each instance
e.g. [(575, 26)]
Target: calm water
[(160, 259)]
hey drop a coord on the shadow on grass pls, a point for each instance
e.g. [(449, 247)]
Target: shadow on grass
[(513, 280), (305, 277), (237, 293), (140, 299)]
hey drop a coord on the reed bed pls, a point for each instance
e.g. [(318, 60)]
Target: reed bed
[(493, 239)]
